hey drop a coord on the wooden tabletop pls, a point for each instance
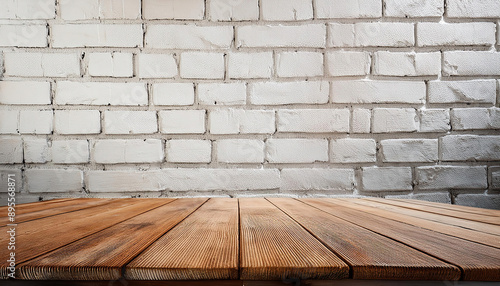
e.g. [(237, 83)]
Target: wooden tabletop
[(252, 239)]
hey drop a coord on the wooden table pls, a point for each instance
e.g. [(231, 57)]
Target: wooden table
[(251, 239)]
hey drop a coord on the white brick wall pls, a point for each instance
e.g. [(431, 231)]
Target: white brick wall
[(296, 97)]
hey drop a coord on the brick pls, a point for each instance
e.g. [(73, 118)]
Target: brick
[(70, 151), (96, 35), (361, 120), (53, 180), (456, 34), (470, 148), (23, 36), (36, 121), (329, 9), (299, 64), (240, 151), (25, 92), (182, 121), (11, 150), (222, 93), (42, 64), (281, 93), (296, 150), (157, 66), (77, 122), (110, 64), (389, 120), (473, 9), (435, 120), (407, 64), (114, 151), (230, 10), (303, 36), (286, 10), (386, 179), (443, 198), (409, 150), (174, 9), (4, 175), (475, 118), (468, 63), (9, 122), (371, 35), (130, 122), (250, 65), (351, 150), (189, 151), (188, 37), (495, 178), (313, 120), (101, 93), (367, 91), (413, 8), (317, 179), (173, 94), (100, 9), (37, 151), (212, 68), (27, 9), (479, 201), (451, 177), (239, 121), (474, 91), (345, 63)]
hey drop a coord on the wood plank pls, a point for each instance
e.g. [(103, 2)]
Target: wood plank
[(36, 206), (33, 240), (274, 247), (203, 246), (477, 261), (467, 234), (102, 255), (370, 256), (466, 209)]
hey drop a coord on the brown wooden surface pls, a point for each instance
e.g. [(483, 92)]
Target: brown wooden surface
[(453, 207)]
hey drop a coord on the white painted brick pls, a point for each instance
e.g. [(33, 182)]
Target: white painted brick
[(173, 93), (475, 118), (11, 150), (371, 35), (495, 178), (100, 9), (409, 150), (296, 150), (470, 148), (305, 36), (189, 151), (250, 65), (328, 9), (473, 9), (101, 93), (27, 9), (25, 92), (110, 64), (451, 177), (313, 120), (5, 173), (222, 93), (96, 35), (173, 9), (388, 120), (407, 64), (113, 151), (479, 201), (182, 121), (317, 179), (456, 34), (230, 10), (352, 150), (280, 93), (42, 64), (77, 122), (36, 121), (468, 63), (23, 36), (212, 65), (361, 120), (37, 151), (286, 10), (434, 120), (387, 179), (474, 91), (413, 8), (363, 91), (70, 151), (9, 121), (345, 63), (299, 64), (188, 37), (236, 121), (157, 66), (240, 151), (130, 122), (53, 180)]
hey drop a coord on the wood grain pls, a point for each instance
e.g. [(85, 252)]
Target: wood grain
[(370, 256), (465, 209), (274, 247), (36, 206), (477, 262), (102, 255), (203, 246)]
